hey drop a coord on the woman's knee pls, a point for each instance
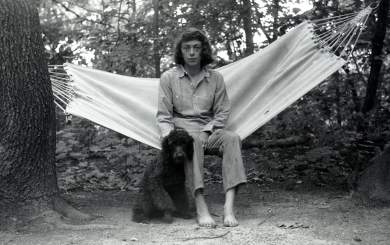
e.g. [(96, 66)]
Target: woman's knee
[(231, 137), (197, 142)]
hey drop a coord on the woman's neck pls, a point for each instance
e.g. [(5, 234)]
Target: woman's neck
[(192, 70)]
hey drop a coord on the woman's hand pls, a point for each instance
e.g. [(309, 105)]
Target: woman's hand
[(204, 137)]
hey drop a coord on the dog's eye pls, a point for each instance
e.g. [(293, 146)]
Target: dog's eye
[(171, 142)]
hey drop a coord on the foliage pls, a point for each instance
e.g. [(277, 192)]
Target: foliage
[(90, 158), (121, 36)]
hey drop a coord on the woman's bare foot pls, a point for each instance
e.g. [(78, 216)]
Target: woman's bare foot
[(229, 219), (206, 221), (203, 216)]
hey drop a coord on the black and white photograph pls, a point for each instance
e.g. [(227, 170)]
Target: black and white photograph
[(256, 122)]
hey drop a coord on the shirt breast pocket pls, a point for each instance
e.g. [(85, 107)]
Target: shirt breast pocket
[(178, 103), (204, 103)]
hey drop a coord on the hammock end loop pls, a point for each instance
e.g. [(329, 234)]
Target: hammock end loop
[(68, 118), (374, 5)]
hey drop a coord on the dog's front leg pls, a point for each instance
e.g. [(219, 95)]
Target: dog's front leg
[(161, 199)]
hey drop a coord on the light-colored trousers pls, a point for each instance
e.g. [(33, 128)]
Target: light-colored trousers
[(220, 142)]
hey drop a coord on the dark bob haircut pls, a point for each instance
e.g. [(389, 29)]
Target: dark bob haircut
[(189, 35)]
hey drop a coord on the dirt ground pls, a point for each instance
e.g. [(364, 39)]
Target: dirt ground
[(267, 215)]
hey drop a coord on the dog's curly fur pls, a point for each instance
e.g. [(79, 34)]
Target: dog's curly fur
[(163, 192)]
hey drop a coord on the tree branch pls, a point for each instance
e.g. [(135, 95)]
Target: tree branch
[(376, 60), (358, 68), (119, 18), (286, 142), (260, 24), (79, 16), (206, 237)]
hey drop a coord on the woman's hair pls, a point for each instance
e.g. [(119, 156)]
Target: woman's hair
[(189, 35)]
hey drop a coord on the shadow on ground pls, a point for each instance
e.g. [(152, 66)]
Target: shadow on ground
[(267, 215)]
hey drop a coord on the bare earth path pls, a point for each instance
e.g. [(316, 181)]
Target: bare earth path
[(266, 215)]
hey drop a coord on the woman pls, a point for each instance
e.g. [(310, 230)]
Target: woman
[(193, 97)]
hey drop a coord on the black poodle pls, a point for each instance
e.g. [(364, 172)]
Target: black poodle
[(163, 190)]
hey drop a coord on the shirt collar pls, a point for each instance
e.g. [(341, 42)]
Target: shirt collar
[(181, 72)]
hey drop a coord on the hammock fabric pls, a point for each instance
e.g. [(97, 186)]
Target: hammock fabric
[(259, 86)]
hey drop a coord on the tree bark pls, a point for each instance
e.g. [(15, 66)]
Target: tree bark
[(28, 178), (27, 118), (156, 51), (338, 98), (376, 59), (275, 15), (247, 25)]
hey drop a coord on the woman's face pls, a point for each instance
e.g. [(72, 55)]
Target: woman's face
[(191, 51)]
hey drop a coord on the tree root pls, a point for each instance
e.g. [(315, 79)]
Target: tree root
[(70, 213), (59, 215), (51, 220), (45, 214)]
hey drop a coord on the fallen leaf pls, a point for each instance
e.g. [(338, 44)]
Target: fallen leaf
[(357, 239)]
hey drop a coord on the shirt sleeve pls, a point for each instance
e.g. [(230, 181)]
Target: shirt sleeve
[(165, 106), (221, 107)]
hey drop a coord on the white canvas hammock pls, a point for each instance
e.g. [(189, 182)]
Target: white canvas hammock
[(259, 86)]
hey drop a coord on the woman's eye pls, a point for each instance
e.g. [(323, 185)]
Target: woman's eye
[(188, 48)]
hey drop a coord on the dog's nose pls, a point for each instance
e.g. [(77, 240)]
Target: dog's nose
[(179, 155)]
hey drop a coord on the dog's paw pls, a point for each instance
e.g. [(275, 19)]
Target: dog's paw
[(187, 216), (167, 218), (138, 218), (184, 215)]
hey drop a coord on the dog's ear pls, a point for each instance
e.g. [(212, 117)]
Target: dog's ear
[(166, 148), (190, 140), (165, 143)]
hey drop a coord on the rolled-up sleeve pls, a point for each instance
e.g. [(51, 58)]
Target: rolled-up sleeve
[(221, 106), (165, 106)]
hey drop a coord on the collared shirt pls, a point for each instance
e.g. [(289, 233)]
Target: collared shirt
[(196, 106)]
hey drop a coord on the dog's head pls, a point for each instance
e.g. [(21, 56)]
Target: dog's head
[(178, 147)]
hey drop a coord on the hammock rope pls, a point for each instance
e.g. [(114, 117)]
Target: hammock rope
[(269, 81), (339, 34), (61, 85)]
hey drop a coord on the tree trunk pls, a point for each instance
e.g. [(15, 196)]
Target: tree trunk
[(376, 59), (247, 25), (27, 117), (156, 51), (275, 16), (133, 36), (338, 98), (374, 182)]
